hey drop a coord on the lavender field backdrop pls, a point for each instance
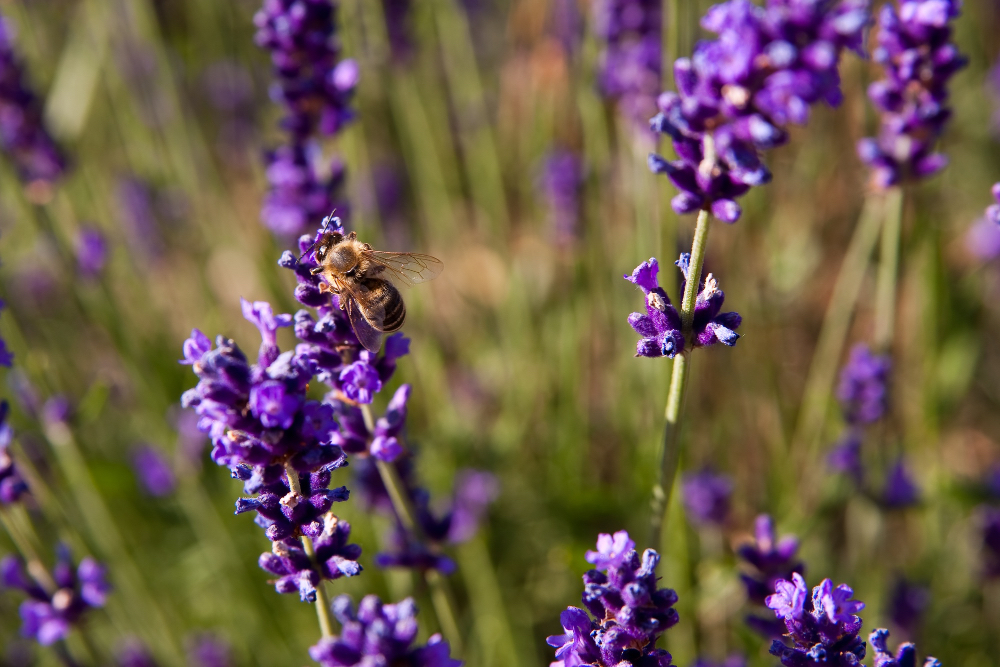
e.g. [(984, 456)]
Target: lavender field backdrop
[(710, 377)]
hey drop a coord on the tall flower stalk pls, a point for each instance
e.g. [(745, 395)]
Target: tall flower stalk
[(735, 97)]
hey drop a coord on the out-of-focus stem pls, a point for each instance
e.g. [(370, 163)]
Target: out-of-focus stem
[(669, 448), (322, 602), (888, 270), (441, 595)]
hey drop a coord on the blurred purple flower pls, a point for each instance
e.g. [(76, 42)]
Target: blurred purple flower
[(771, 560), (303, 187), (227, 86), (137, 214), (560, 183), (207, 650), (706, 497), (6, 356), (845, 457), (12, 485), (47, 618), (983, 238), (907, 603), (990, 527), (399, 27), (133, 653), (914, 47), (735, 660), (379, 634), (57, 410), (863, 392), (629, 612), (91, 252), (630, 70), (900, 490), (737, 93), (475, 491), (153, 471), (23, 137)]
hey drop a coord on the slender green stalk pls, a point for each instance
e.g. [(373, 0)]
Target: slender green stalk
[(888, 270), (322, 601), (441, 595), (669, 448)]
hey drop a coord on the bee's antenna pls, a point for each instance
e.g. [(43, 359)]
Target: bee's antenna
[(326, 223)]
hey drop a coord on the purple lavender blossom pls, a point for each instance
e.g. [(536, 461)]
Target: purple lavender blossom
[(303, 187), (630, 69), (823, 629), (47, 616), (133, 653), (6, 356), (153, 471), (914, 47), (134, 198), (560, 183), (12, 485), (907, 603), (91, 252), (298, 573), (983, 238), (660, 328), (845, 457), (737, 93), (990, 522), (379, 634), (207, 650), (906, 655), (475, 491), (771, 560), (900, 490), (23, 137), (706, 497), (863, 392), (629, 611)]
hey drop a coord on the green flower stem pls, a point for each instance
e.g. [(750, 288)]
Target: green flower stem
[(322, 601), (888, 270), (669, 447), (441, 595)]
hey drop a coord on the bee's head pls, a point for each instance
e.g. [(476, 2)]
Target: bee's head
[(325, 243)]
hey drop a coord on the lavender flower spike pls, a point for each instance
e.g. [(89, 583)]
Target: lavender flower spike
[(630, 70), (47, 617), (12, 485), (706, 497), (914, 46), (737, 93), (906, 655), (862, 392), (379, 634), (983, 238), (628, 612), (823, 629), (660, 327)]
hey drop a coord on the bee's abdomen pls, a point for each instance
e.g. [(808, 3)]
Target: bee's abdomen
[(395, 311)]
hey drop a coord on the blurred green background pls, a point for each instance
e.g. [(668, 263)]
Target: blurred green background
[(521, 355)]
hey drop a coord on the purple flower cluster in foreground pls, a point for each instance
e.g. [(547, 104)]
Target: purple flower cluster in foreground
[(822, 629), (23, 137), (770, 560), (47, 616), (628, 613), (914, 47), (737, 94), (660, 327), (864, 397), (630, 70), (379, 634), (706, 496), (316, 88), (906, 655), (474, 492)]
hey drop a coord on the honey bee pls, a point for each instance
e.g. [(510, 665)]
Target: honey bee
[(362, 279)]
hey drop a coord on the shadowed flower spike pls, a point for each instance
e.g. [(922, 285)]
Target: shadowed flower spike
[(207, 650), (91, 252), (628, 612), (630, 68), (6, 356), (133, 653), (914, 47), (900, 490), (823, 629), (379, 634), (907, 603), (983, 238), (706, 497), (560, 183), (48, 618), (906, 655), (153, 471), (990, 527), (660, 327), (863, 391), (709, 325), (23, 136), (736, 94)]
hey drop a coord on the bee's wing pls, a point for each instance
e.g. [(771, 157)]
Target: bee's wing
[(409, 268), (368, 335)]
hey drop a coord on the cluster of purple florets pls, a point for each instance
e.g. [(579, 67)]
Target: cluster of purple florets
[(864, 398), (379, 634), (560, 183), (660, 328), (737, 93), (914, 47), (770, 560), (630, 70), (12, 485), (23, 137), (316, 88), (706, 495), (48, 615), (628, 613)]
